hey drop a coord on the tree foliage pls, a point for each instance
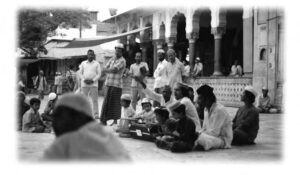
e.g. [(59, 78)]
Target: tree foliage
[(34, 26)]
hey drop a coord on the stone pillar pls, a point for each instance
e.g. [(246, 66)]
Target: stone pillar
[(217, 32), (171, 41), (193, 36), (248, 42), (155, 48), (144, 51)]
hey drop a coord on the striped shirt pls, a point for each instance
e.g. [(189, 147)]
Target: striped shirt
[(115, 79)]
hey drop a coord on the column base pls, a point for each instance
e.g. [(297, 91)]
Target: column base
[(217, 73)]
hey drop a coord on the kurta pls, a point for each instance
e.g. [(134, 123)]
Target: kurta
[(217, 129)]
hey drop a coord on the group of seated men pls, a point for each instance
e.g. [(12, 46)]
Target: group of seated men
[(178, 127)]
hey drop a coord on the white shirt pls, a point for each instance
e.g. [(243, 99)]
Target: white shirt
[(191, 112), (90, 70), (175, 71), (217, 123), (135, 71), (158, 97), (236, 70), (160, 74), (198, 68)]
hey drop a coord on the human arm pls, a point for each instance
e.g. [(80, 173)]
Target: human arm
[(98, 73), (120, 64)]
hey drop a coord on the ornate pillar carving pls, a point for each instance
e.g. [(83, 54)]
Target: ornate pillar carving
[(217, 32)]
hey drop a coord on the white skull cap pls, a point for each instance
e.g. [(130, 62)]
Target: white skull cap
[(52, 96), (126, 97), (145, 100), (78, 102), (119, 45), (251, 90), (160, 51)]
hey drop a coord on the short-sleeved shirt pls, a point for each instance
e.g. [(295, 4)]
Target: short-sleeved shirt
[(115, 79), (135, 71)]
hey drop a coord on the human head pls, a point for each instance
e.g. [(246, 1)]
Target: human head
[(71, 112), (161, 54), (138, 56), (206, 97), (171, 55), (35, 104), (125, 100), (181, 90), (197, 59), (167, 92), (161, 114), (146, 104), (90, 55), (236, 62), (191, 93), (119, 50), (248, 96), (41, 73), (178, 110), (52, 96), (265, 91)]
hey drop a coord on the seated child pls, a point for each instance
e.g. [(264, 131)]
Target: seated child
[(22, 108), (47, 115), (79, 136), (162, 116), (183, 137), (146, 116), (126, 114), (31, 119)]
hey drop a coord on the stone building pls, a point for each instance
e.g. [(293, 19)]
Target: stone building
[(219, 36)]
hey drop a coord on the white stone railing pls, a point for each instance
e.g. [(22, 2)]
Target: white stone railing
[(228, 90)]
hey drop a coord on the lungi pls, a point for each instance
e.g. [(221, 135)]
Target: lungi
[(111, 107)]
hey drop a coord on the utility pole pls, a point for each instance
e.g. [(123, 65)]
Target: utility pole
[(80, 28)]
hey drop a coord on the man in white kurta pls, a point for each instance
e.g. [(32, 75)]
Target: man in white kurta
[(90, 73), (175, 69), (160, 73), (216, 132)]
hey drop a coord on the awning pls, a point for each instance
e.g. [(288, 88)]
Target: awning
[(89, 42)]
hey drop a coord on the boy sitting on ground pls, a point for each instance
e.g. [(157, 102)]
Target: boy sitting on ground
[(47, 115), (126, 115), (31, 119), (162, 116), (146, 116), (183, 141)]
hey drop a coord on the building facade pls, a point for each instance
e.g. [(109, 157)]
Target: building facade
[(219, 36)]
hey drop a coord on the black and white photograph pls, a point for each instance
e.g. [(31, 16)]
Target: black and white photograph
[(146, 82)]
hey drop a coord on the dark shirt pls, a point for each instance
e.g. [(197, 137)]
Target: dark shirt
[(247, 120), (23, 107), (186, 130)]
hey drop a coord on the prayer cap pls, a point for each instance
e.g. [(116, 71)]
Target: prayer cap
[(145, 100), (251, 90), (264, 88), (197, 59), (120, 46), (160, 51), (52, 96), (78, 102), (126, 97)]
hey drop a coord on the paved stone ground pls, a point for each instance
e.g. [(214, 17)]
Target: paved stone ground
[(268, 145)]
